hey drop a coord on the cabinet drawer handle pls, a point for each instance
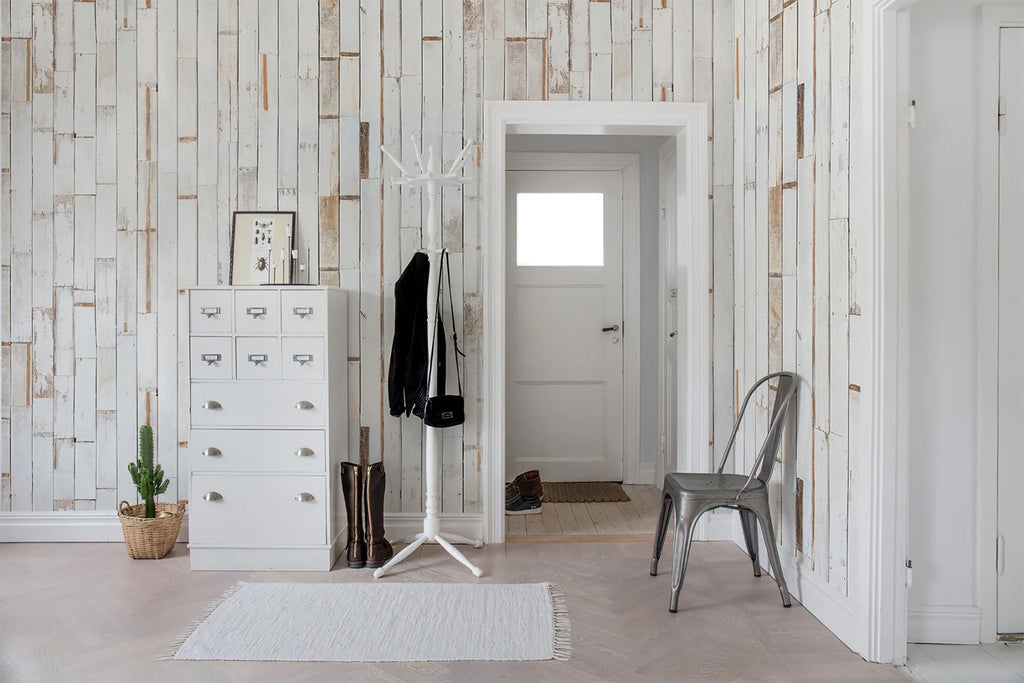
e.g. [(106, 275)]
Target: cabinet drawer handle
[(212, 405), (257, 358), (303, 405), (304, 452), (256, 311), (302, 358), (211, 358), (210, 311), (212, 452), (305, 498), (303, 311), (212, 496)]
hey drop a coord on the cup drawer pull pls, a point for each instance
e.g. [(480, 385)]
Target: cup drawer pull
[(256, 311), (304, 452), (212, 452), (210, 311), (257, 358), (213, 496), (302, 358), (303, 311), (211, 358), (304, 405), (305, 498), (212, 405)]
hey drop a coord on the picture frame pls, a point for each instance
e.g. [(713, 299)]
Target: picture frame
[(261, 247)]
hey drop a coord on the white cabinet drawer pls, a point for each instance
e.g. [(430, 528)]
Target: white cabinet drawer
[(257, 311), (303, 311), (258, 358), (303, 358), (258, 450), (267, 404), (239, 510), (209, 310), (210, 357)]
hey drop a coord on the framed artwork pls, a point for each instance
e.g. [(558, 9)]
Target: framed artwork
[(261, 247)]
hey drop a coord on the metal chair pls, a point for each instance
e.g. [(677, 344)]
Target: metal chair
[(694, 494)]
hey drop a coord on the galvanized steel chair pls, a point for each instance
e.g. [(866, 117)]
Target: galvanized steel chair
[(694, 494)]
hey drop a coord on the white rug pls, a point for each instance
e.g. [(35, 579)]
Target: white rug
[(380, 622)]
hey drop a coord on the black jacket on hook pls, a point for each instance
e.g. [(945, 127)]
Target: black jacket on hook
[(407, 374)]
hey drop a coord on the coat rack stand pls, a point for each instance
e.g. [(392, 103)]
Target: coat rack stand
[(431, 179)]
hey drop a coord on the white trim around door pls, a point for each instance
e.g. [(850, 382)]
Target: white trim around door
[(629, 166), (688, 124)]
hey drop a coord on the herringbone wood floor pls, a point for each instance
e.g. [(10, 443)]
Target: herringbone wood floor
[(86, 612)]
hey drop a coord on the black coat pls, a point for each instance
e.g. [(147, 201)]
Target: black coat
[(407, 374)]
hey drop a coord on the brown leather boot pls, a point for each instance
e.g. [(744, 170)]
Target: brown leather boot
[(352, 486), (529, 484), (378, 550)]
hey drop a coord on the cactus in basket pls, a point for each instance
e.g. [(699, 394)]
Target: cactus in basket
[(149, 480)]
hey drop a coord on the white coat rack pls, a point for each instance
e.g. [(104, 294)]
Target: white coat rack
[(431, 179)]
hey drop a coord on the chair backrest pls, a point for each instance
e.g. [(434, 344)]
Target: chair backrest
[(784, 395)]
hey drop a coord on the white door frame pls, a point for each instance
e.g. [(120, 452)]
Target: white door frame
[(688, 123), (878, 179), (629, 166)]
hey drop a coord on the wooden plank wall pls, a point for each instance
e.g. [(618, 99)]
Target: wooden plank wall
[(796, 280), (132, 129)]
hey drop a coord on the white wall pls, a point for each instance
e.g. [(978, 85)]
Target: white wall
[(942, 365)]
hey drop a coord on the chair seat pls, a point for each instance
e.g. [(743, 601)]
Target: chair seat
[(694, 485)]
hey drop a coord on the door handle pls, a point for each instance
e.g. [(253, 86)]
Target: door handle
[(212, 405), (212, 496), (610, 328), (304, 452), (305, 498), (212, 452), (304, 405)]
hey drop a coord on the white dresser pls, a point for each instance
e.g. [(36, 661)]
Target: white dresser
[(269, 427)]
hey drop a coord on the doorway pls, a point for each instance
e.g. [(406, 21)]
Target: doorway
[(687, 125)]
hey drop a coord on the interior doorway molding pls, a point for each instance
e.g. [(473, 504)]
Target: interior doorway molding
[(688, 124), (879, 186)]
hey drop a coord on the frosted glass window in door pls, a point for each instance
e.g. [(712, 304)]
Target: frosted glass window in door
[(560, 229)]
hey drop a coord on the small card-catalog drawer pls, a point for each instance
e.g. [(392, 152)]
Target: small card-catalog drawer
[(257, 310), (258, 450), (258, 510), (209, 310), (258, 358), (303, 311), (211, 357), (303, 358), (267, 404)]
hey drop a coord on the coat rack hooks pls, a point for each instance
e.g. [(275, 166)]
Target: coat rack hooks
[(431, 178)]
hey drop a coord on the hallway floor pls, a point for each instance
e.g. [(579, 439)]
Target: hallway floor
[(634, 519), (968, 663), (86, 612)]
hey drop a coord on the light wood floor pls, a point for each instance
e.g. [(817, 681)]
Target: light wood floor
[(568, 522), (86, 612)]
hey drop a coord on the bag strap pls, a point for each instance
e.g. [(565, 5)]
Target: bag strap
[(447, 266), (433, 334)]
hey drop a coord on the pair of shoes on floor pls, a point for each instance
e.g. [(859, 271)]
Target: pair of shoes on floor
[(524, 494)]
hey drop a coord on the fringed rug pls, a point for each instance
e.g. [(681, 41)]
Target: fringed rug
[(380, 622), (584, 492)]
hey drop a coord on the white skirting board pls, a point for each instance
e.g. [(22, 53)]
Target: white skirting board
[(945, 624), (100, 527)]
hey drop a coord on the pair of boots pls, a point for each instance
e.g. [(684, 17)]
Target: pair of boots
[(524, 494), (364, 506)]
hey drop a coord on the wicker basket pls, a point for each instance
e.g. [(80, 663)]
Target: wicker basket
[(150, 539)]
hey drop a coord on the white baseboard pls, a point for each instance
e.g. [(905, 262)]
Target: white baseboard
[(104, 527), (946, 624), (837, 612)]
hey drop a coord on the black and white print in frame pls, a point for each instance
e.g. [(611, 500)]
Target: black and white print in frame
[(261, 247)]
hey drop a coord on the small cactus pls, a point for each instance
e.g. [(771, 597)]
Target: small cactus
[(149, 480)]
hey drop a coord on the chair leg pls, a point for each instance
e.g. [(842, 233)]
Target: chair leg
[(681, 553), (749, 524), (660, 532), (763, 515)]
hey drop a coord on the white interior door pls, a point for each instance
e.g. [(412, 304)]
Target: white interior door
[(1010, 586), (564, 331)]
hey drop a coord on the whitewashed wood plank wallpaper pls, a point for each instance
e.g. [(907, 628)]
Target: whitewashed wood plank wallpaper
[(797, 303), (132, 129)]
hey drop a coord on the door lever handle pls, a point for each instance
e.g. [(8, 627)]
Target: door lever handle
[(610, 328)]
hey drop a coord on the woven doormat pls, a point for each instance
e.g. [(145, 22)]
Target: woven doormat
[(583, 492)]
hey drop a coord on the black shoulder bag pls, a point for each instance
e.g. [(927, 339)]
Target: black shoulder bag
[(444, 410)]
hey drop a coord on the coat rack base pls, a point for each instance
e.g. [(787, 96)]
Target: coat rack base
[(445, 542)]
